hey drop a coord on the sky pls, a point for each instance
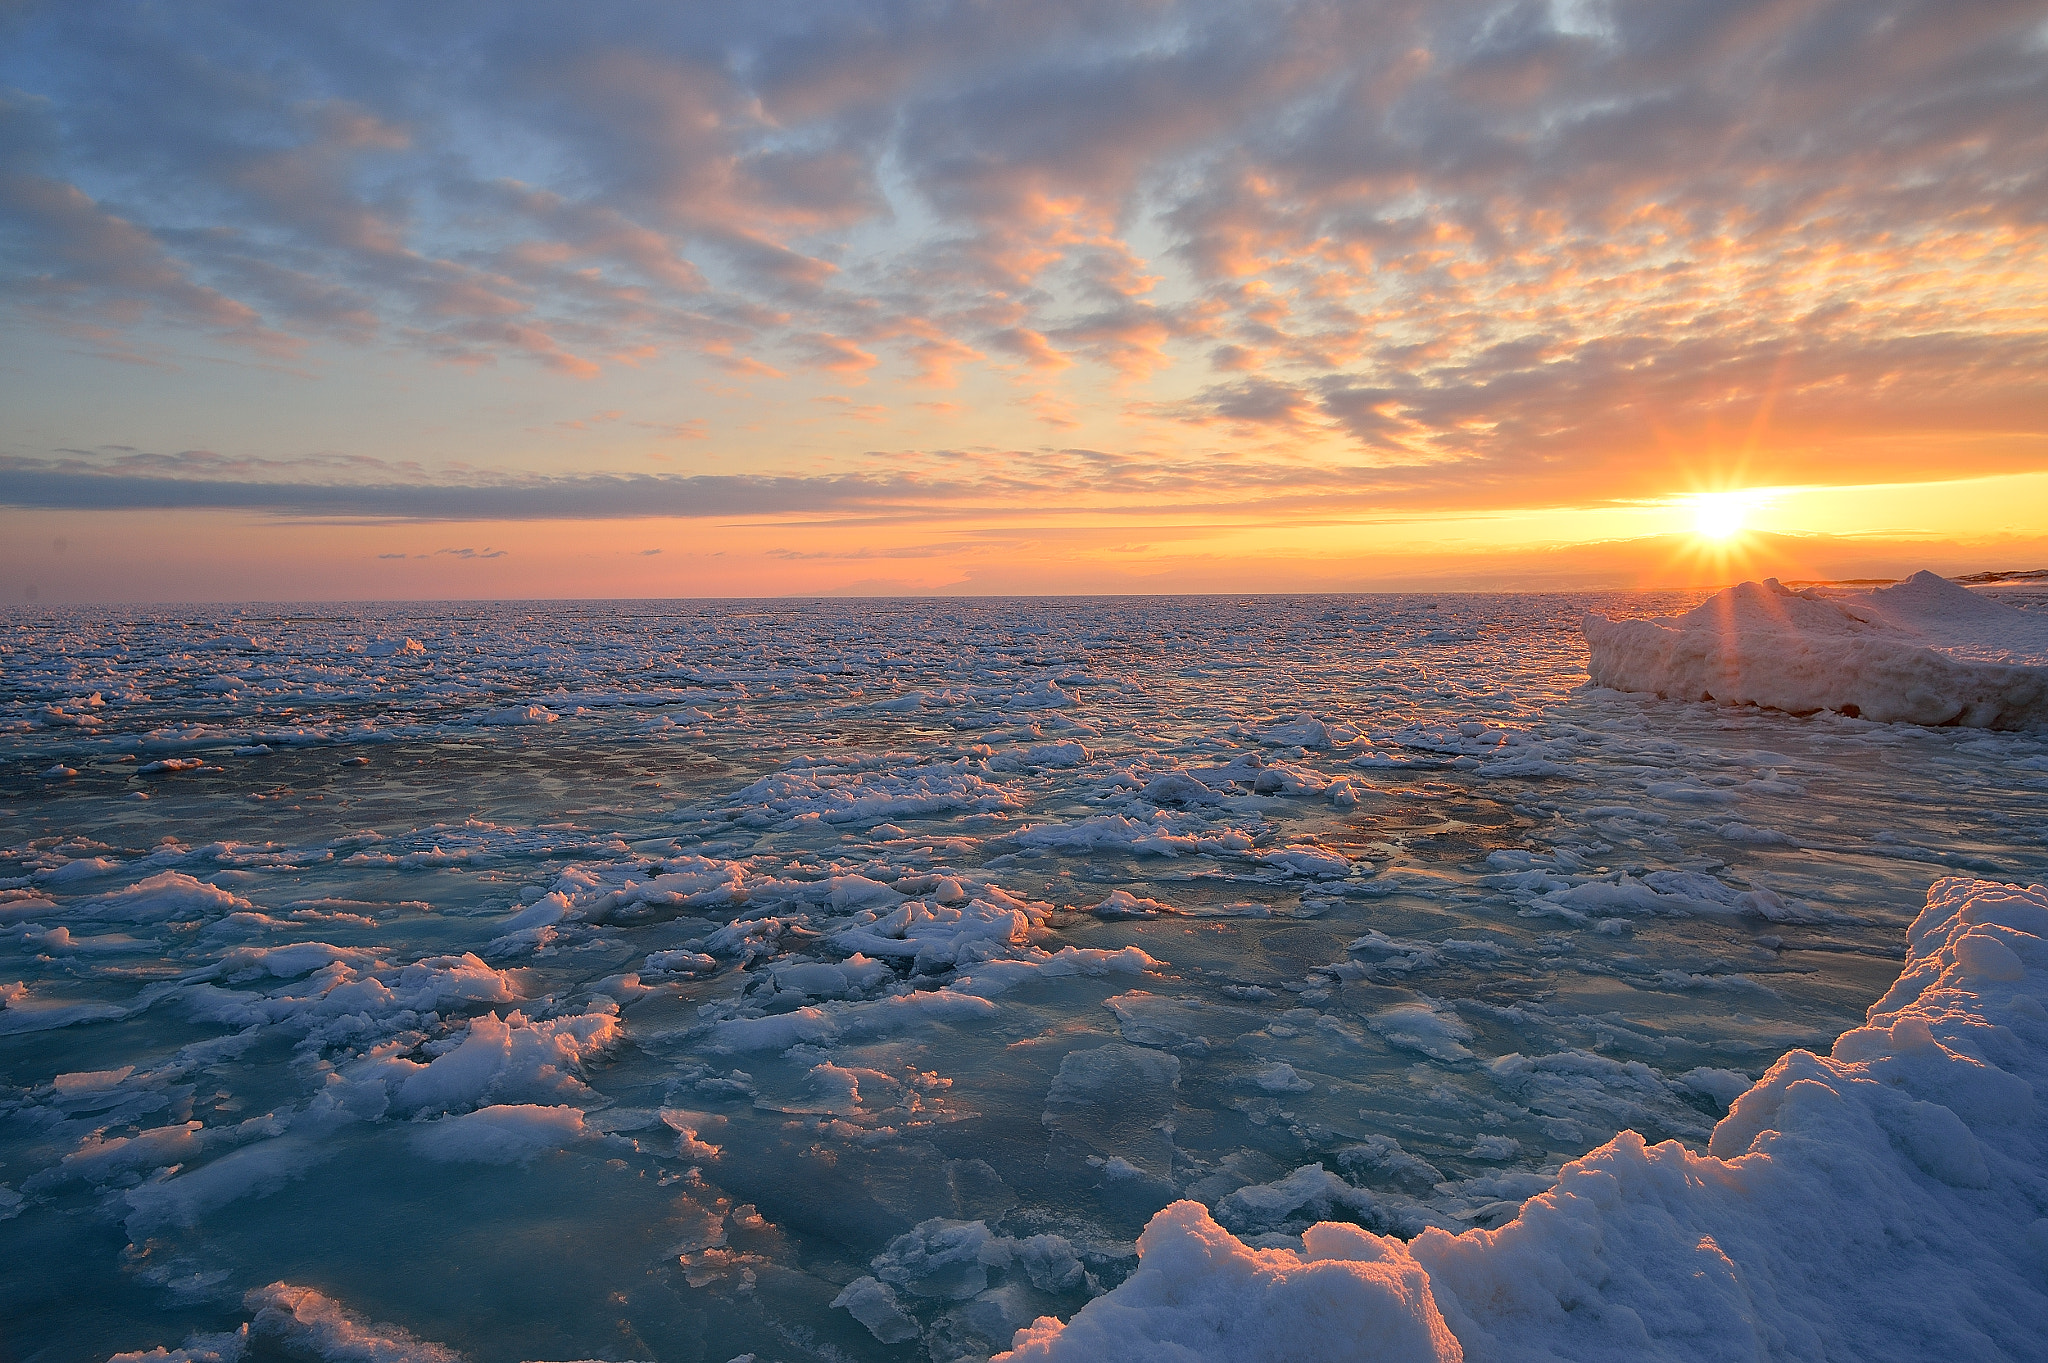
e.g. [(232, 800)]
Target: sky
[(913, 296)]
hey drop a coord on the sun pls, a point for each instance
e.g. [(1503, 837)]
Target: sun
[(1719, 515)]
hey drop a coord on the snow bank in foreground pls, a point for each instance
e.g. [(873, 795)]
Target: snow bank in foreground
[(1925, 651), (1884, 1202)]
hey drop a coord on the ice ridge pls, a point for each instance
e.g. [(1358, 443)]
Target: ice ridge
[(1925, 651)]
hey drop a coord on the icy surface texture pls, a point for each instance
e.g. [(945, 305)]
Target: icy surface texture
[(1881, 1202), (1925, 651), (859, 980)]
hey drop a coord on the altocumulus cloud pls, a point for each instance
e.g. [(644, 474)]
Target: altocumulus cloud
[(1523, 240)]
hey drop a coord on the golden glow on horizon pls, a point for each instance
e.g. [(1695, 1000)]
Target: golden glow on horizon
[(1791, 532)]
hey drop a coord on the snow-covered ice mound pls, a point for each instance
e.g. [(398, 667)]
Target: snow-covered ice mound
[(1882, 1202), (1925, 651)]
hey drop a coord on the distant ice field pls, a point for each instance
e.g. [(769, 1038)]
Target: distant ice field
[(854, 980)]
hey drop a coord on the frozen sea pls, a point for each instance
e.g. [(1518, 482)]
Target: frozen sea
[(637, 980)]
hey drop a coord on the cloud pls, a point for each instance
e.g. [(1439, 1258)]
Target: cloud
[(900, 485), (68, 486), (696, 428), (847, 407), (1031, 347), (1053, 410), (835, 355), (1256, 405), (74, 257), (1548, 243)]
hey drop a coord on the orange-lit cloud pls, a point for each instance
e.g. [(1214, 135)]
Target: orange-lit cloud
[(1383, 263)]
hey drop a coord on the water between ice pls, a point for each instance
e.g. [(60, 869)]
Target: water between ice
[(641, 980)]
